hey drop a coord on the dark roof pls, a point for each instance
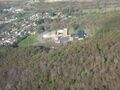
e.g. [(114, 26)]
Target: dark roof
[(64, 39), (80, 34)]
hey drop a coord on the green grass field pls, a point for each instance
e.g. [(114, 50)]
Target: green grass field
[(30, 40)]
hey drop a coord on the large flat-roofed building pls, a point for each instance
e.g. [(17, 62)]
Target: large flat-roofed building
[(56, 34), (62, 32)]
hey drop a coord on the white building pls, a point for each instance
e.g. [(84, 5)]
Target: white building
[(56, 34)]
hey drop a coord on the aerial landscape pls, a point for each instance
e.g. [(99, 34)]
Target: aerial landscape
[(59, 44)]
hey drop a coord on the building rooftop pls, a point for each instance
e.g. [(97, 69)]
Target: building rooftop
[(80, 34)]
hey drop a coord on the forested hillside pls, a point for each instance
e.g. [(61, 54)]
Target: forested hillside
[(92, 64)]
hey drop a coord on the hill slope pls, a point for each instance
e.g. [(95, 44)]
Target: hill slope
[(90, 65)]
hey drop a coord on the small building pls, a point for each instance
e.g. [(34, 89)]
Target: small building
[(19, 10), (80, 35)]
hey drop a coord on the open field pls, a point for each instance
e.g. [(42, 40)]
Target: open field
[(30, 40)]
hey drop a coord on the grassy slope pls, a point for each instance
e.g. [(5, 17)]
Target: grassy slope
[(85, 65), (30, 40)]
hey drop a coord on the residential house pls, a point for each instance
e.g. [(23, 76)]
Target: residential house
[(80, 35)]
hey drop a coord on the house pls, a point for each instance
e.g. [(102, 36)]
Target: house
[(19, 10), (80, 35)]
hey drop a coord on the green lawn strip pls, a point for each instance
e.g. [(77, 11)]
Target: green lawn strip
[(30, 40)]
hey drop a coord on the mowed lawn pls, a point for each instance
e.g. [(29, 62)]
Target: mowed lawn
[(30, 40)]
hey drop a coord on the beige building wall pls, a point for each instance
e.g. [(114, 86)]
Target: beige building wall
[(62, 33)]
